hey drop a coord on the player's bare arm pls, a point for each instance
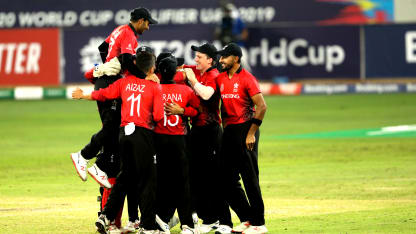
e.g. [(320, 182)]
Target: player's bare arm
[(261, 108), (79, 94), (205, 92)]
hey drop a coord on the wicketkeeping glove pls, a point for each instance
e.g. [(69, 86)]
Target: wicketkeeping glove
[(110, 68)]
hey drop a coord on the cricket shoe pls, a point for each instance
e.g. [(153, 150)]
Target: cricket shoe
[(102, 224), (187, 230), (163, 226), (99, 176), (205, 228), (131, 226), (195, 220), (256, 230), (173, 221), (242, 227), (223, 229), (144, 231), (80, 164), (113, 229)]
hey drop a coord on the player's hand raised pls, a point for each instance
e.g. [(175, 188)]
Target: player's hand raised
[(190, 75)]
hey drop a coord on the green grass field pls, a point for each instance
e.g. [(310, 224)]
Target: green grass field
[(314, 185)]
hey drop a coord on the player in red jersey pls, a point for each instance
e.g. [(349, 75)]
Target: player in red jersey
[(172, 166), (242, 111), (141, 106), (205, 138), (122, 44), (179, 78)]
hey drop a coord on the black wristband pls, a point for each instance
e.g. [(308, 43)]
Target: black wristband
[(256, 121)]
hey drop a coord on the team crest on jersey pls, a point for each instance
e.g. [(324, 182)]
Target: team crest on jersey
[(129, 47), (222, 87), (235, 87)]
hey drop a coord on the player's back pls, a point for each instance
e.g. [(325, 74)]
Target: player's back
[(183, 96), (122, 40), (141, 102)]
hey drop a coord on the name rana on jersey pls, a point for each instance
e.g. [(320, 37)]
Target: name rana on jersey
[(170, 97)]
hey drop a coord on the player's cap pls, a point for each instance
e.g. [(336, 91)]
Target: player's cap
[(167, 68), (142, 13), (145, 49), (231, 49), (208, 49), (179, 61)]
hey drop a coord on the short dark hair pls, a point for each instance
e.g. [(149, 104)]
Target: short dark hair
[(145, 61)]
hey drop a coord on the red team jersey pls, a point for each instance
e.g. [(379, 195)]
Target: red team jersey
[(237, 106), (183, 96), (123, 40), (209, 111), (141, 100)]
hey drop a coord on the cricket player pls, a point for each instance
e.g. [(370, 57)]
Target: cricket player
[(205, 139), (242, 111), (179, 77), (173, 165), (141, 106), (118, 52)]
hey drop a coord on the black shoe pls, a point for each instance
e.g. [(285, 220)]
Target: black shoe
[(102, 224)]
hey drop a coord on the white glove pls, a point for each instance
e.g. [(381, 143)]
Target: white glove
[(110, 68)]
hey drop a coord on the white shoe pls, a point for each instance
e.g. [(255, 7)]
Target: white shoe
[(242, 227), (205, 228), (131, 226), (144, 231), (164, 226), (223, 229), (113, 229), (99, 176), (187, 230), (80, 164), (173, 221), (256, 230), (195, 220)]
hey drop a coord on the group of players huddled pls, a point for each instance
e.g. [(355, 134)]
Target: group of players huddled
[(146, 150)]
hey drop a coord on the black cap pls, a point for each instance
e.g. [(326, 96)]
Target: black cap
[(145, 49), (231, 49), (167, 68), (142, 13), (179, 61), (208, 49)]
